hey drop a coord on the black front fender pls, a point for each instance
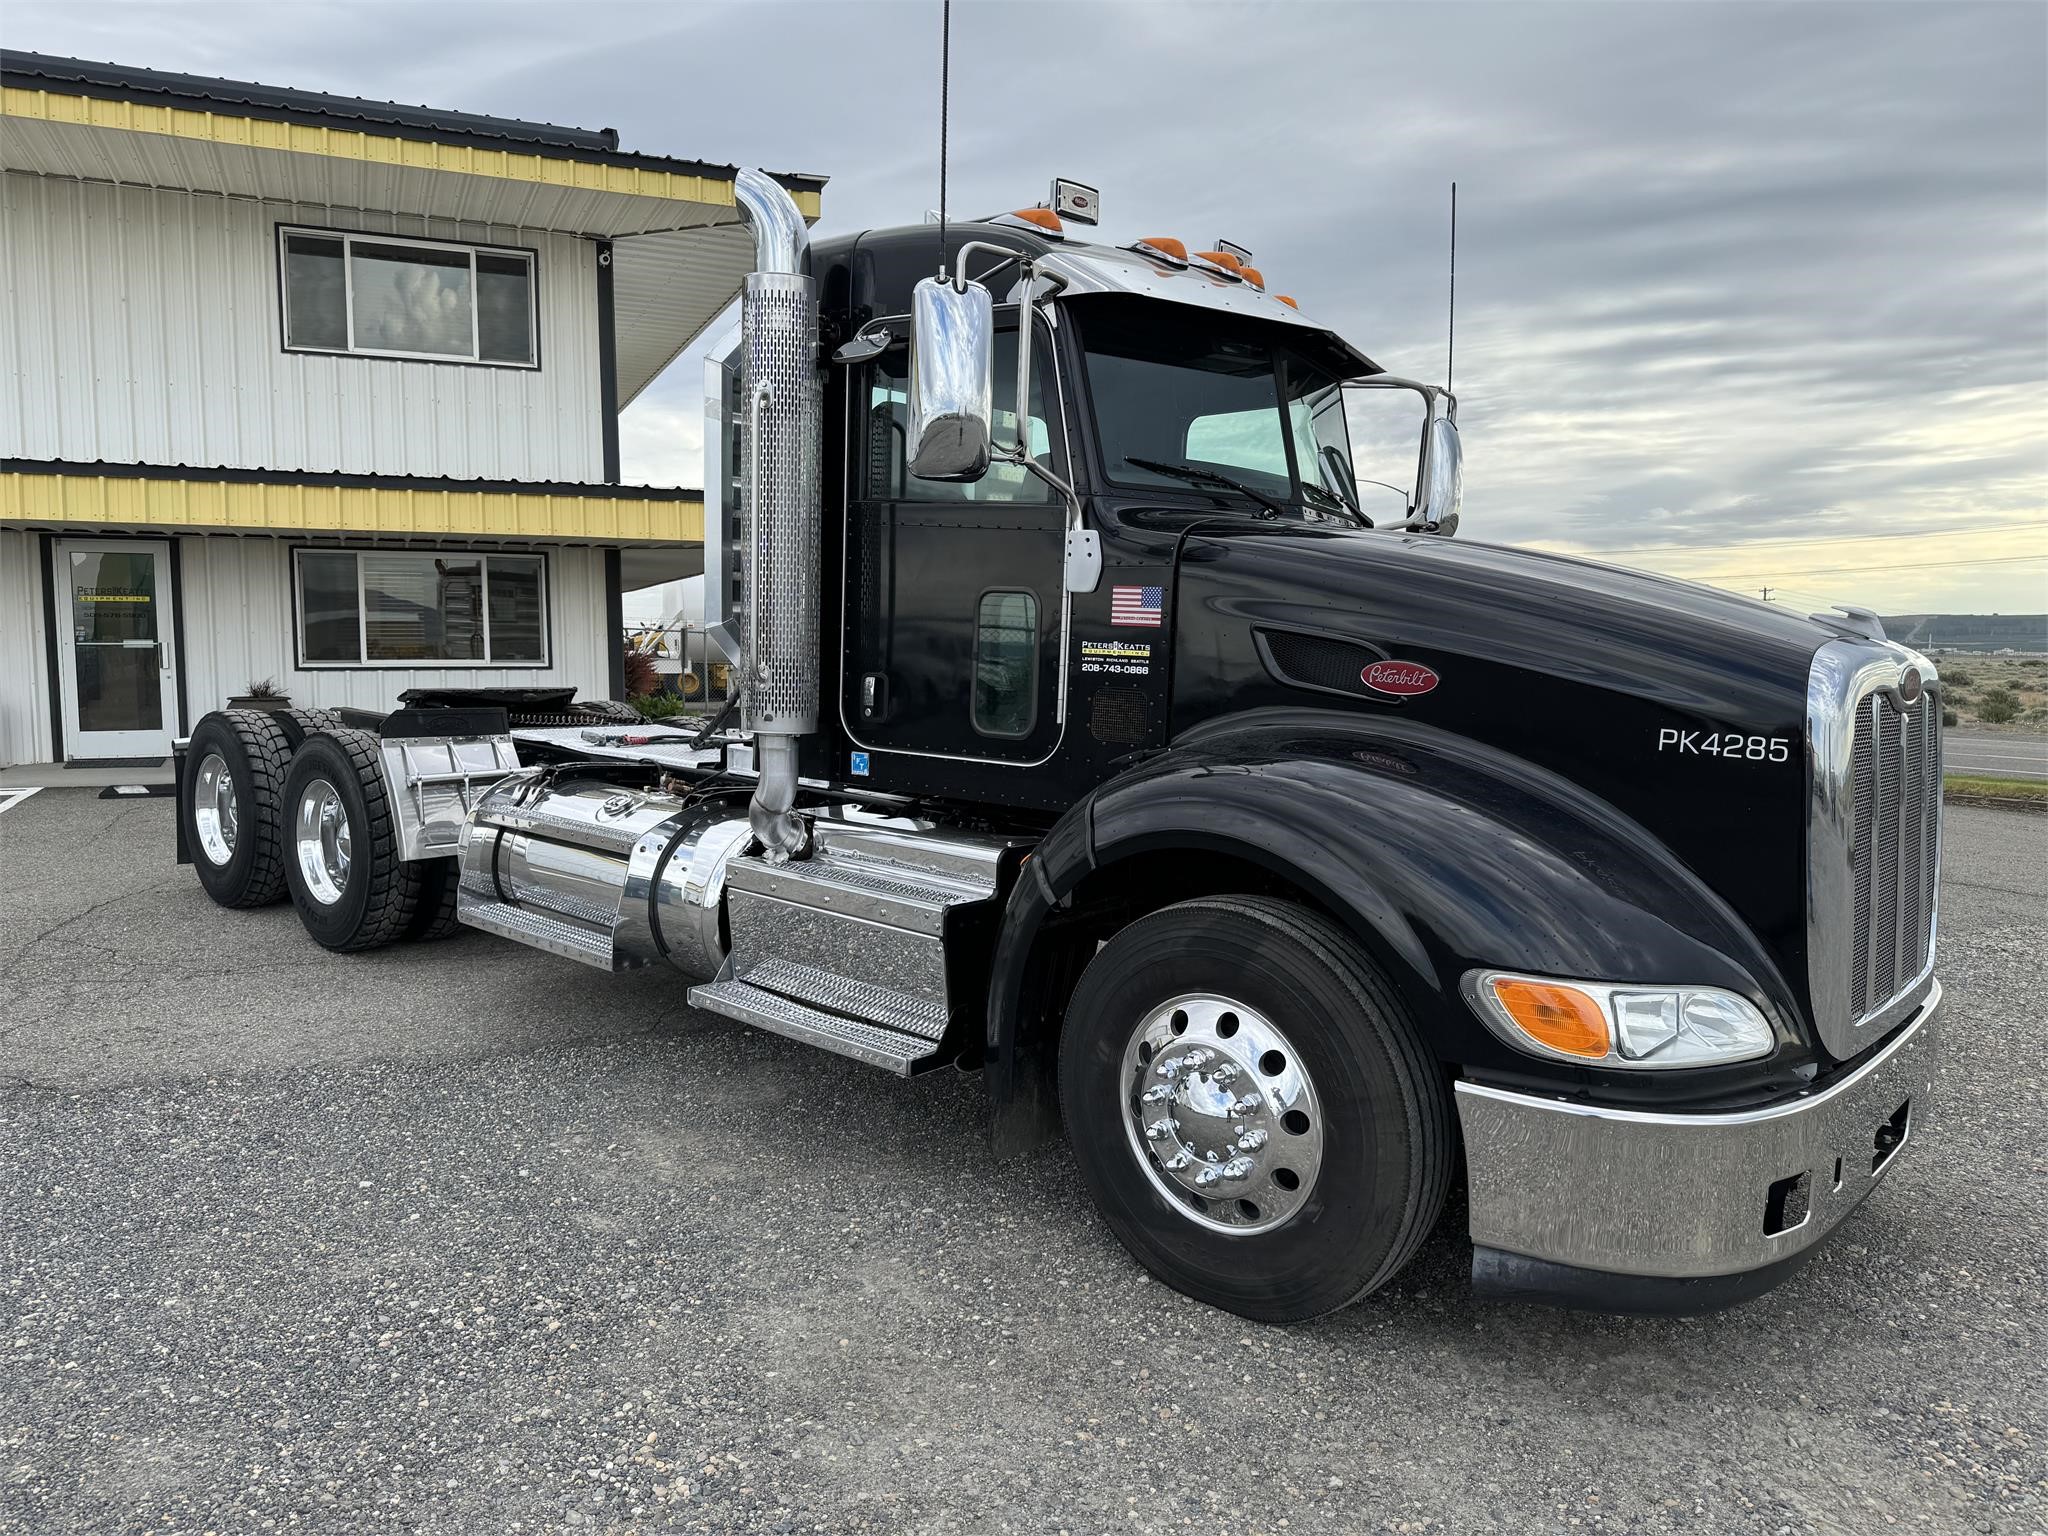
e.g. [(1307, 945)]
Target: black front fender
[(1441, 855)]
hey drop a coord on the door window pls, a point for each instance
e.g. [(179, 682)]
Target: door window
[(887, 432), (1006, 663), (116, 639)]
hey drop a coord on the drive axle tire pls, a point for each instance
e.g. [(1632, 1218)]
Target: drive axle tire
[(1252, 1109), (231, 804), (434, 917), (342, 862)]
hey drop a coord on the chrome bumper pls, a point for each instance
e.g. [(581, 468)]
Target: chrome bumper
[(1634, 1192)]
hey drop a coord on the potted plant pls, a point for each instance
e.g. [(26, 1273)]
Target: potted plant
[(261, 695)]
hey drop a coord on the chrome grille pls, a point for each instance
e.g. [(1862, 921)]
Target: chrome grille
[(1897, 819)]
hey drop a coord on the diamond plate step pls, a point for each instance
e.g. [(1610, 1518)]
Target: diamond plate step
[(897, 1052), (875, 892), (863, 1000), (536, 930)]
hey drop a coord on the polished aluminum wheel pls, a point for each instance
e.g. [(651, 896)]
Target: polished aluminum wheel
[(1221, 1114), (216, 814), (323, 841)]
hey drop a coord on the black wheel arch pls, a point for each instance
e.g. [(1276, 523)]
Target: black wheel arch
[(1436, 855)]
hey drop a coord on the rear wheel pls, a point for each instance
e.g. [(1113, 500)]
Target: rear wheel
[(347, 879), (1252, 1109), (434, 917), (234, 789)]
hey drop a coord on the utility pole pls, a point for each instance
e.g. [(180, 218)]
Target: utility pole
[(1767, 594)]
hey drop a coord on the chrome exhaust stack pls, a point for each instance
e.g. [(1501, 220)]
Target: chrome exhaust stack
[(784, 415)]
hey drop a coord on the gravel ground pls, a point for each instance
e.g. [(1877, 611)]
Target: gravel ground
[(461, 1238)]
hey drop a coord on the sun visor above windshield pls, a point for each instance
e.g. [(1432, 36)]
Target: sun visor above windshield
[(1088, 271)]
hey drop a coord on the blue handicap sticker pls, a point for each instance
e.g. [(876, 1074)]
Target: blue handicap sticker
[(860, 763)]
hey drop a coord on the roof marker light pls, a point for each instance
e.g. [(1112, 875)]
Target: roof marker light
[(1287, 299), (1044, 220), (1163, 248), (1253, 276), (1223, 259)]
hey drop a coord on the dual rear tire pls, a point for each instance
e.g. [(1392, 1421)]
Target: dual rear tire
[(293, 803)]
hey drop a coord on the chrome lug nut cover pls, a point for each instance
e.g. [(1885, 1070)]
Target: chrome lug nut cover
[(1221, 1114)]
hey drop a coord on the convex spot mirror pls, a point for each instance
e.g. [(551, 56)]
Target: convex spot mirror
[(952, 379)]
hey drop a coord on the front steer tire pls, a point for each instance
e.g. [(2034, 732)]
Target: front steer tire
[(1387, 1146), (239, 856), (352, 889)]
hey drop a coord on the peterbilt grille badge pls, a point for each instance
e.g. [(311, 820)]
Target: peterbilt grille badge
[(1401, 679)]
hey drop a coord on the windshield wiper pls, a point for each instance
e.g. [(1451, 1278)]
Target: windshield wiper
[(1195, 476), (1337, 503)]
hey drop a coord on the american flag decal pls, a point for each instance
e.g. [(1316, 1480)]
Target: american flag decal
[(1136, 607)]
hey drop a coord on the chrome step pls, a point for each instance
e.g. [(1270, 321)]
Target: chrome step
[(537, 930), (878, 1046), (863, 1000)]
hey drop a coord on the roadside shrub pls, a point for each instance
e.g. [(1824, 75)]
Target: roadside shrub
[(641, 677), (1957, 677), (1948, 717), (1999, 706), (658, 706)]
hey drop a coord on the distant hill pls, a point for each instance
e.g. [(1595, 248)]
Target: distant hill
[(1969, 631)]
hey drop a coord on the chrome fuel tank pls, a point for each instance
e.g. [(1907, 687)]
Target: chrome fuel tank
[(614, 876)]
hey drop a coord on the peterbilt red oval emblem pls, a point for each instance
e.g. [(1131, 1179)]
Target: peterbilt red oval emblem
[(1400, 678)]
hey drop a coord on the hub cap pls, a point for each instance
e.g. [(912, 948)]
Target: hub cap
[(216, 816), (323, 842), (1221, 1114)]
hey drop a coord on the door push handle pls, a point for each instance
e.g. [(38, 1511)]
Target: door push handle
[(874, 696)]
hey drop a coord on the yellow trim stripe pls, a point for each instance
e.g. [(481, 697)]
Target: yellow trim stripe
[(375, 149), (239, 506)]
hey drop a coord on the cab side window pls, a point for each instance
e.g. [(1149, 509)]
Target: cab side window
[(888, 426), (1006, 663)]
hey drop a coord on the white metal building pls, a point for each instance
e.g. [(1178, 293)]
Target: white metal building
[(323, 391)]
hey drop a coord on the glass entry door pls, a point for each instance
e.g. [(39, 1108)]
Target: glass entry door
[(116, 660)]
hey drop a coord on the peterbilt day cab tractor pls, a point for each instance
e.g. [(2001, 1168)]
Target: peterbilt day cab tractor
[(1297, 861)]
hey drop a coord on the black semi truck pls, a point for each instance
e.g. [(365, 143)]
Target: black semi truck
[(1297, 861)]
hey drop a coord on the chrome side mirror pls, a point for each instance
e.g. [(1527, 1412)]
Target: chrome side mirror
[(1443, 482), (952, 379)]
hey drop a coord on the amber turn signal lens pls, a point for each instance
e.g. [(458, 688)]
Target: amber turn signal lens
[(1562, 1018)]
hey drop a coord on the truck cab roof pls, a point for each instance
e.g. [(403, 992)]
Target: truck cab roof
[(871, 274)]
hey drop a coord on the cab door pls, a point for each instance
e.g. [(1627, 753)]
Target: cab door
[(953, 593)]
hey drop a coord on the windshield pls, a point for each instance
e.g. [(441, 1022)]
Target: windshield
[(1233, 401)]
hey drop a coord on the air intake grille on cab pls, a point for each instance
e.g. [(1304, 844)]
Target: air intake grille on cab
[(1312, 661)]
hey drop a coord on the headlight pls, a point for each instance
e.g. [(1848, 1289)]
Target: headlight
[(1640, 1028)]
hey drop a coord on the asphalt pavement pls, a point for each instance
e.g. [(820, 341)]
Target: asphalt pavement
[(465, 1239), (1995, 754)]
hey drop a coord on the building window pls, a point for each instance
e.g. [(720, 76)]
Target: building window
[(1005, 663), (388, 297), (413, 607)]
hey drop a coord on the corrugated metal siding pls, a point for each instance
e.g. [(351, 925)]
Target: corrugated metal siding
[(239, 629), (24, 663), (142, 326)]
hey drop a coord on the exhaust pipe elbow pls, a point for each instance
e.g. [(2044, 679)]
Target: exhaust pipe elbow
[(781, 242), (770, 813)]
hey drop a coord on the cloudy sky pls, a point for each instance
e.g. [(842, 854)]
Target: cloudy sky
[(1756, 294)]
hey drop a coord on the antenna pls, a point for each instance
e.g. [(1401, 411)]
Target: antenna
[(1451, 339), (945, 88)]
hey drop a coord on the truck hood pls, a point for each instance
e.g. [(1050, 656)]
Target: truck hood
[(1722, 659), (1682, 707)]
